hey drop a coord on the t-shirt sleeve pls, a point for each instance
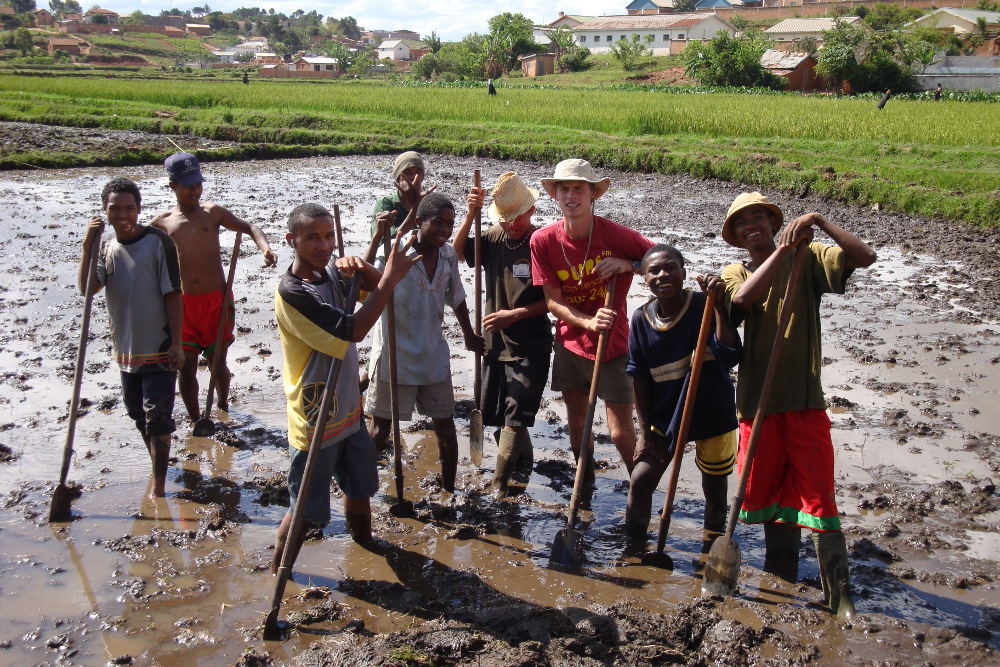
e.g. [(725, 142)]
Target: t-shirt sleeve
[(734, 276), (456, 290), (381, 204), (318, 324), (170, 272), (470, 250), (830, 268), (637, 365), (102, 263), (728, 357)]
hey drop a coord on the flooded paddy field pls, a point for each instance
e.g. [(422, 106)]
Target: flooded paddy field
[(911, 370)]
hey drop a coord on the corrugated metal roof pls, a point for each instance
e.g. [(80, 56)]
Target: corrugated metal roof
[(973, 14), (808, 25), (775, 59), (644, 22)]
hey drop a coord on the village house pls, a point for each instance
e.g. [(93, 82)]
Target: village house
[(71, 16), (402, 49), (267, 58), (255, 46), (94, 12), (7, 11), (43, 17), (786, 33), (958, 21), (798, 69), (314, 64), (70, 46), (404, 34), (226, 56), (569, 21), (670, 32), (200, 29), (641, 7), (538, 64)]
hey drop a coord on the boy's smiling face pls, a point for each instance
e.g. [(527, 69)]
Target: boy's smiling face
[(575, 198), (187, 195), (123, 215), (664, 274), (437, 228), (754, 227), (519, 226), (314, 242)]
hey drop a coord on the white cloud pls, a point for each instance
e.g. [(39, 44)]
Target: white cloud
[(452, 20)]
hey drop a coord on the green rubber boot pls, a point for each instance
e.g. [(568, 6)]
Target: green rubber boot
[(831, 552), (506, 460)]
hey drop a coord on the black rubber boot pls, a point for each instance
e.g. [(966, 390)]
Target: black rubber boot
[(506, 460), (835, 574), (782, 543), (716, 490)]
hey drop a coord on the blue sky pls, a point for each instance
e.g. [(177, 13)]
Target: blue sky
[(451, 19)]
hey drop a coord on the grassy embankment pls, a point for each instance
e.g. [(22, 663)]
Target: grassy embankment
[(937, 159)]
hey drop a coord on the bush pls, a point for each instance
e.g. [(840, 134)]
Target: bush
[(574, 61)]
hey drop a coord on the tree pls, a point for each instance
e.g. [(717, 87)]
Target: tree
[(434, 42), (562, 39), (511, 35), (72, 7), (245, 56), (741, 23), (574, 61), (729, 61), (838, 62), (350, 28), (629, 51), (808, 45), (23, 41), (56, 6), (684, 6), (23, 6)]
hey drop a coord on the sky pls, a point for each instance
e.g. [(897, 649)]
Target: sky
[(452, 19)]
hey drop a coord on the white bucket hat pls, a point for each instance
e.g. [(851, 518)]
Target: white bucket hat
[(511, 198), (575, 169)]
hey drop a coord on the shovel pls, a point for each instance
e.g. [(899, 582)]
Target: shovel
[(271, 630), (205, 427), (476, 420), (658, 558), (723, 567), (403, 508), (60, 509), (567, 547)]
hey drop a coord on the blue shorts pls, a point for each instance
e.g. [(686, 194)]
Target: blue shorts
[(149, 401), (350, 461)]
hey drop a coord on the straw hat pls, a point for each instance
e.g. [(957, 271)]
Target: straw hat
[(746, 200), (575, 169), (511, 198)]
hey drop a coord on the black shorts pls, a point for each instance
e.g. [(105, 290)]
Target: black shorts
[(149, 401), (512, 390)]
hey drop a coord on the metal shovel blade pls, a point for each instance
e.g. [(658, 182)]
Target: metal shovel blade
[(476, 437), (567, 549), (723, 568), (203, 428), (60, 509)]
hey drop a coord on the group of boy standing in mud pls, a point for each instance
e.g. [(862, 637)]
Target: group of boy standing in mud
[(166, 289)]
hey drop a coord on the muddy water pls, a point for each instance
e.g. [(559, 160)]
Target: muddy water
[(910, 365)]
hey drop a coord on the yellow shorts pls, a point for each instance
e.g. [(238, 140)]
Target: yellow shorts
[(717, 456)]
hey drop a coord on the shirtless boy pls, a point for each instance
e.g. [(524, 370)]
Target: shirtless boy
[(194, 227)]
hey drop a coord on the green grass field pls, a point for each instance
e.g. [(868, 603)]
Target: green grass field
[(937, 159)]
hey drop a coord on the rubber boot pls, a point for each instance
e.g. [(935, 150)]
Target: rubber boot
[(782, 543), (716, 490), (835, 574), (525, 458), (506, 460)]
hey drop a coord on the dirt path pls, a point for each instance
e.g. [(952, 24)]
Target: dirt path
[(910, 360)]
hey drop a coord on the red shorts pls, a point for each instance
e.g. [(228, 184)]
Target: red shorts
[(791, 480), (201, 321)]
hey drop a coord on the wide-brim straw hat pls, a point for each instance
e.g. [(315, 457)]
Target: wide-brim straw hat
[(746, 200), (575, 169), (511, 198)]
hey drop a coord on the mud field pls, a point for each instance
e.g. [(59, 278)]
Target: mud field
[(911, 370)]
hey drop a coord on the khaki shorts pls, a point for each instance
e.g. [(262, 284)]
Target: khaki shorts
[(571, 371), (436, 401)]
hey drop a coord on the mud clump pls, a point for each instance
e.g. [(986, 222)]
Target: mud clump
[(7, 454), (273, 490)]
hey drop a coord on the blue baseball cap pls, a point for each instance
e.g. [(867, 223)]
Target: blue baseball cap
[(183, 168)]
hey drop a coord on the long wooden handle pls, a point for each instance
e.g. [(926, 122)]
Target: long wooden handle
[(339, 230), (314, 446), (390, 343), (81, 356), (478, 380), (588, 424), (223, 317), (765, 393), (686, 417)]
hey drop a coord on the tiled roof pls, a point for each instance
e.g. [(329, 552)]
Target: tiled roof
[(643, 22), (808, 25)]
